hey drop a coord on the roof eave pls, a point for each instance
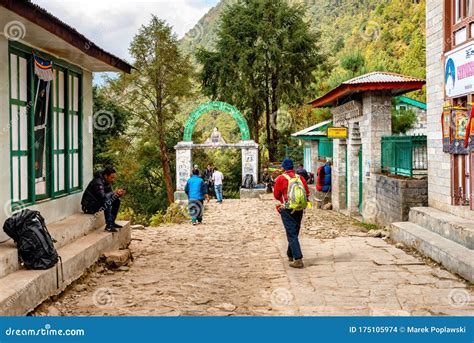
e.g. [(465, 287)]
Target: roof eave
[(50, 23), (345, 89)]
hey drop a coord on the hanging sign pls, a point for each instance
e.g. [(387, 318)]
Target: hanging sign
[(337, 132), (459, 71)]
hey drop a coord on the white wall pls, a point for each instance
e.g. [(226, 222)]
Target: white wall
[(52, 210), (439, 180)]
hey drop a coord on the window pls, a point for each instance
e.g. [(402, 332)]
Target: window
[(74, 131), (457, 10), (20, 99), (458, 27), (61, 154)]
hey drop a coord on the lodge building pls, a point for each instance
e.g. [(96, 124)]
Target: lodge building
[(46, 144), (450, 94)]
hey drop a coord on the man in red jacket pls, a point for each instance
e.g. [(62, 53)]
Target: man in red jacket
[(291, 219)]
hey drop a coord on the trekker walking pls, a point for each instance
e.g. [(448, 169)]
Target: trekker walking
[(217, 178), (208, 179), (292, 191), (301, 171), (196, 190), (99, 196)]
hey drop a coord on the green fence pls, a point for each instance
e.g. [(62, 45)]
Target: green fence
[(405, 155), (325, 148)]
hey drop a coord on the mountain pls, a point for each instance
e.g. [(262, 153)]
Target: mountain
[(356, 36)]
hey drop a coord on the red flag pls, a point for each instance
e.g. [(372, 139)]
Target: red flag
[(468, 127)]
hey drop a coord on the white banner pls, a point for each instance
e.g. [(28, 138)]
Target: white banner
[(459, 71)]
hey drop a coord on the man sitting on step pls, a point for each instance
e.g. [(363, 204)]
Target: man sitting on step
[(99, 196)]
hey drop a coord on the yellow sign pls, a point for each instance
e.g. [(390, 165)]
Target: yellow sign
[(337, 132)]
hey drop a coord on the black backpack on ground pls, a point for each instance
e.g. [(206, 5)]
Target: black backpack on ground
[(248, 181), (34, 243)]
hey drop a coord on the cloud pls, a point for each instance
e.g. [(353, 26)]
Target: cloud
[(111, 24)]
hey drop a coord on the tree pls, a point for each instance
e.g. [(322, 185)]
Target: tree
[(110, 121), (154, 89), (264, 58)]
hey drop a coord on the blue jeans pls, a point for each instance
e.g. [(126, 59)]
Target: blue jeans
[(218, 189), (111, 208), (292, 223), (196, 210)]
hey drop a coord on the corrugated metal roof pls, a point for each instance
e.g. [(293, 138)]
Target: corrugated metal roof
[(313, 130), (41, 17), (381, 76)]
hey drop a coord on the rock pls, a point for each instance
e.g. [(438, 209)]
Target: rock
[(53, 312), (117, 258), (399, 246), (109, 272), (99, 269), (137, 227), (375, 233), (124, 269), (80, 288), (226, 307), (327, 207)]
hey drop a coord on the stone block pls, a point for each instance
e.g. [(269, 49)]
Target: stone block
[(117, 258)]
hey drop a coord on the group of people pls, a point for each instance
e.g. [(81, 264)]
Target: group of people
[(290, 188)]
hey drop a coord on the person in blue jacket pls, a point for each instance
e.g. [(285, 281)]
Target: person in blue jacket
[(196, 190)]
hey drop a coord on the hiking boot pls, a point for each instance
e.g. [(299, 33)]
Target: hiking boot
[(291, 259), (297, 263), (117, 226), (110, 228)]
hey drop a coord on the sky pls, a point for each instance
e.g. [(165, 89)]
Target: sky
[(111, 24)]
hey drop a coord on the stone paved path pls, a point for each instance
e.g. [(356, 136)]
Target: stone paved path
[(235, 264)]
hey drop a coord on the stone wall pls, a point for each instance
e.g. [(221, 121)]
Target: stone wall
[(394, 197), (439, 182)]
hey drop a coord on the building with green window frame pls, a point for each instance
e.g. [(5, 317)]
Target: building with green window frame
[(317, 147), (46, 144), (53, 182)]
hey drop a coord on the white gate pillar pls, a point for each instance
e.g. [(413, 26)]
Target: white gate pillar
[(184, 165), (250, 160)]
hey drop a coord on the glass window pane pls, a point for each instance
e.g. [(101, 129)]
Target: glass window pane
[(23, 128), (61, 172), (23, 79), (15, 184), (14, 76), (14, 127), (24, 177)]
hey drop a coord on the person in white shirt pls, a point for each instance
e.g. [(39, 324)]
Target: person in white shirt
[(218, 177)]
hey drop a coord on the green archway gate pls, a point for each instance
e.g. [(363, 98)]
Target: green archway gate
[(184, 148)]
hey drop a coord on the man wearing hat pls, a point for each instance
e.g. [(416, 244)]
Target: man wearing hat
[(291, 218)]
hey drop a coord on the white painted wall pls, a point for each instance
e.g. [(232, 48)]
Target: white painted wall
[(52, 210), (439, 181)]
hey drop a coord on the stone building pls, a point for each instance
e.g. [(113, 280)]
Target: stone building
[(363, 105), (317, 147), (46, 146), (405, 103), (445, 230)]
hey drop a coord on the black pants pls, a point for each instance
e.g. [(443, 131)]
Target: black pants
[(110, 207), (292, 223)]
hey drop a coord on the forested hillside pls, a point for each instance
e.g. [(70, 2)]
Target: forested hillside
[(356, 36)]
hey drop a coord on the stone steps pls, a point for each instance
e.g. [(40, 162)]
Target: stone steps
[(449, 226), (22, 290), (453, 256), (64, 232)]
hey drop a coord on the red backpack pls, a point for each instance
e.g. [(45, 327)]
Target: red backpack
[(320, 179)]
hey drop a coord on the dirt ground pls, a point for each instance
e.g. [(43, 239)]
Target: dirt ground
[(235, 264)]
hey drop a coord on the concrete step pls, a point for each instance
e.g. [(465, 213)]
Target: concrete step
[(453, 256), (457, 229), (64, 232), (23, 290)]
